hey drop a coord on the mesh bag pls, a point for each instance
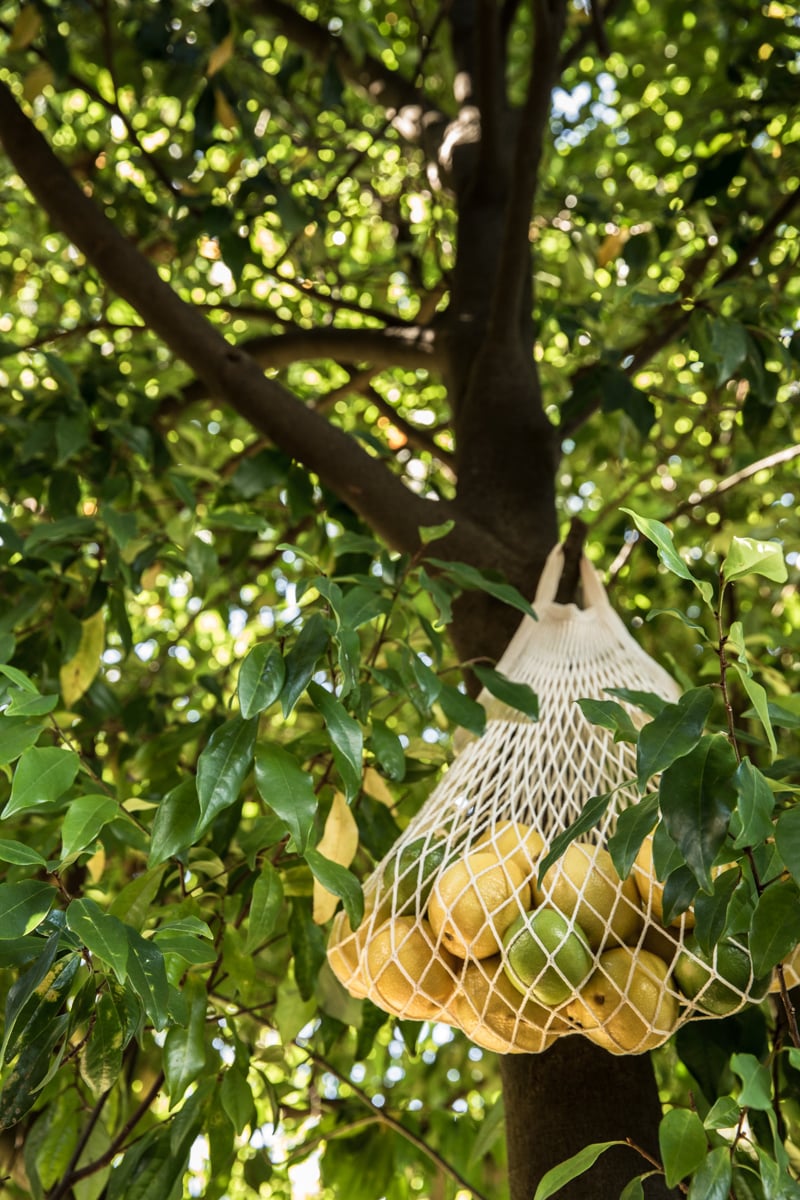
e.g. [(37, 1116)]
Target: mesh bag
[(457, 928)]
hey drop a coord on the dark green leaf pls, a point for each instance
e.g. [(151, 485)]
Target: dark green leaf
[(24, 906), (461, 710), (787, 839), (648, 702), (16, 735), (175, 822), (101, 1055), (42, 776), (287, 789), (340, 882), (712, 1179), (682, 1142), (633, 1190), (27, 993), (346, 736), (633, 826), (520, 696), (680, 890), (711, 911), (697, 796), (261, 677), (729, 344), (223, 767), (20, 854), (185, 1046), (724, 1114), (470, 579), (775, 928), (674, 732), (308, 945), (592, 813), (100, 933), (756, 1081), (23, 704), (388, 750), (236, 1098), (610, 715), (301, 661), (755, 805), (572, 1168), (265, 905), (148, 977)]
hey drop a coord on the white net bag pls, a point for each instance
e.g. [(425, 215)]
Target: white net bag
[(457, 927)]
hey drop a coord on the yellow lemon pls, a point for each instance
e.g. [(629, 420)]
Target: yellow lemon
[(585, 885), (344, 953), (651, 889), (474, 901), (513, 840), (626, 1007), (492, 1013), (411, 976)]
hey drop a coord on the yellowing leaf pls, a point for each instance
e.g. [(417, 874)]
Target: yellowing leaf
[(26, 27), (375, 786), (225, 114), (36, 81), (611, 247), (220, 55), (76, 675), (339, 843)]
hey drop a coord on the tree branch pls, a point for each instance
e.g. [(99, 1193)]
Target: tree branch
[(360, 479)]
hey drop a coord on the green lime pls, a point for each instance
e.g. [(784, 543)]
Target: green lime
[(720, 981), (414, 869), (546, 955)]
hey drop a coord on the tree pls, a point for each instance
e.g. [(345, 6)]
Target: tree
[(322, 277)]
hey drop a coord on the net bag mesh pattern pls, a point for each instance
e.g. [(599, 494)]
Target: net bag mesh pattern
[(456, 927)]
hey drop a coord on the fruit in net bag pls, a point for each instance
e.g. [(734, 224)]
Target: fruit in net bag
[(547, 955), (513, 840), (720, 981), (492, 1013), (474, 901), (626, 1006), (584, 885), (412, 976)]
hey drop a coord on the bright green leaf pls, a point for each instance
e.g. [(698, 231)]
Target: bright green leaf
[(265, 905), (712, 1179), (756, 1081), (340, 882), (748, 556), (519, 696), (346, 736), (223, 766), (103, 935), (287, 789), (42, 776), (261, 677), (185, 1046), (674, 732), (84, 819), (682, 1142), (661, 538), (775, 928), (572, 1168)]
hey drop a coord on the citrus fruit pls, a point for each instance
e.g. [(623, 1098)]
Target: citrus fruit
[(720, 981), (474, 901), (513, 840), (585, 885), (492, 1013), (651, 889), (626, 1006), (410, 974), (344, 953), (410, 874), (546, 954)]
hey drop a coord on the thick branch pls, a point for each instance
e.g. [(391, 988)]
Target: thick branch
[(342, 464)]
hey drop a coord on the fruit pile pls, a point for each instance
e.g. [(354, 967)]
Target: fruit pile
[(468, 935)]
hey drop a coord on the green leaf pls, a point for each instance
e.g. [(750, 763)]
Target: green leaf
[(697, 796), (175, 822), (680, 890), (42, 776), (288, 790), (633, 1190), (433, 533), (186, 946), (711, 911), (101, 1056), (572, 1168), (148, 977), (23, 704), (610, 715), (723, 1114), (633, 826), (748, 556), (729, 343), (712, 1179), (101, 934), (520, 696), (340, 882), (471, 579), (84, 819), (648, 702), (462, 710), (758, 698), (301, 661), (490, 1131), (674, 732), (16, 735), (787, 839), (20, 855), (265, 905), (775, 927), (36, 997), (236, 1098), (361, 605), (755, 805), (223, 766), (308, 946), (261, 677), (661, 538), (682, 1142), (591, 813), (22, 681), (388, 750), (185, 1046), (346, 736), (24, 906), (756, 1082), (133, 902)]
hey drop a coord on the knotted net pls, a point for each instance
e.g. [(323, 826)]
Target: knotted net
[(457, 927)]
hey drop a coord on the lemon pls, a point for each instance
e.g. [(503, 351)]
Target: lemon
[(411, 976), (721, 981), (344, 953), (492, 1013), (546, 954), (410, 874), (474, 901), (585, 885), (626, 1006), (513, 840), (651, 889)]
